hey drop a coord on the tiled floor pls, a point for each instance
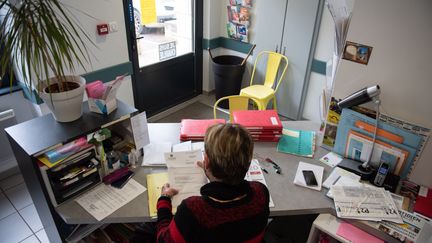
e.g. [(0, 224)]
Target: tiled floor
[(19, 221)]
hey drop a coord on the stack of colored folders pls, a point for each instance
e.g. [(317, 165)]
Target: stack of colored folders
[(263, 125), (194, 130)]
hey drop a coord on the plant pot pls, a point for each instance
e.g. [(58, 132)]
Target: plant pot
[(65, 106)]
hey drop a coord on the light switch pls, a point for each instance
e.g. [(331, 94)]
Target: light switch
[(113, 27)]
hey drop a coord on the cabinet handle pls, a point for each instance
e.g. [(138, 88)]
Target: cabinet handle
[(277, 47), (284, 50)]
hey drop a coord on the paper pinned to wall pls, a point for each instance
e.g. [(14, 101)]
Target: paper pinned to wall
[(140, 130)]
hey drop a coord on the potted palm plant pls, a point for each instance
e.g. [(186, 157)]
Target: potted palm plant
[(42, 40)]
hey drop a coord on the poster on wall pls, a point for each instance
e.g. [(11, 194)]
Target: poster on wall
[(357, 52), (238, 19)]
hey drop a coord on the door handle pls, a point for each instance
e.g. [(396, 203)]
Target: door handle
[(277, 47)]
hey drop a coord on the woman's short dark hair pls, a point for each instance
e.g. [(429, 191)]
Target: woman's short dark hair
[(229, 148)]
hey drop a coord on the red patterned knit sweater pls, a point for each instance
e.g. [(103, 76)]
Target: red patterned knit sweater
[(223, 213)]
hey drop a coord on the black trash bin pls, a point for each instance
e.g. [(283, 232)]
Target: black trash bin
[(228, 75)]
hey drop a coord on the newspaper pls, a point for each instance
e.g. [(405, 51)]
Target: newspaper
[(408, 231), (364, 202)]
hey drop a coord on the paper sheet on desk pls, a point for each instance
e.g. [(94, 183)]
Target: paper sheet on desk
[(255, 174), (184, 174), (181, 147), (317, 170), (104, 200), (154, 154), (338, 173)]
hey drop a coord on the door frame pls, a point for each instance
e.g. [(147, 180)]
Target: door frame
[(197, 51)]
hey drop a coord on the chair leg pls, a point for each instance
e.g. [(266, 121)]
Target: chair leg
[(274, 103)]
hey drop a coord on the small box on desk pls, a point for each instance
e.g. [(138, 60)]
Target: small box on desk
[(102, 106)]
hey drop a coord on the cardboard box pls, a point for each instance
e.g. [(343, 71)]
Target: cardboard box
[(102, 106)]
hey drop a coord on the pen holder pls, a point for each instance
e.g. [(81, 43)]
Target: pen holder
[(102, 106)]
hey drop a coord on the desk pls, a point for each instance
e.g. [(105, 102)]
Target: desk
[(288, 198)]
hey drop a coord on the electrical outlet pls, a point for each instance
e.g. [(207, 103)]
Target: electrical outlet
[(113, 27)]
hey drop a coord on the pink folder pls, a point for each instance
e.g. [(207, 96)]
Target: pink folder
[(356, 235)]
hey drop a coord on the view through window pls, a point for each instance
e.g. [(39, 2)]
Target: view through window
[(163, 29)]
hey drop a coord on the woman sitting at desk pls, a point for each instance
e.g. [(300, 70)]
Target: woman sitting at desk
[(229, 209)]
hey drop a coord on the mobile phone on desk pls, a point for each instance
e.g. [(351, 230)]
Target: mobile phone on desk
[(122, 180), (309, 177), (381, 174)]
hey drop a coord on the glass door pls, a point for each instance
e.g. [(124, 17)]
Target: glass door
[(166, 51)]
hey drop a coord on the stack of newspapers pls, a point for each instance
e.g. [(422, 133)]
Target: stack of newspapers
[(365, 203)]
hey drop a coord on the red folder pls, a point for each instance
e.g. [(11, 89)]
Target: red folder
[(423, 205), (195, 129), (256, 120), (266, 138)]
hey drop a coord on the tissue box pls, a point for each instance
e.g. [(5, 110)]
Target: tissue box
[(102, 106)]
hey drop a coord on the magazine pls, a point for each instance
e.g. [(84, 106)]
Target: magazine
[(408, 231), (244, 3), (238, 15)]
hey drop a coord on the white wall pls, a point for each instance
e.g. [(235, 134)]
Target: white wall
[(399, 32), (211, 29), (105, 51)]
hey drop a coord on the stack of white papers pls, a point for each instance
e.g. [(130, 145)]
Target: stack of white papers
[(317, 170), (365, 203), (154, 153)]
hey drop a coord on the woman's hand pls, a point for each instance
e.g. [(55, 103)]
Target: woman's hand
[(168, 191)]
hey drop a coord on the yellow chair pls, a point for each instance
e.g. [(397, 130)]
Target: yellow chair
[(265, 92), (236, 102)]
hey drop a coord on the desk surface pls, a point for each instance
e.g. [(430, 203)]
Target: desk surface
[(288, 198)]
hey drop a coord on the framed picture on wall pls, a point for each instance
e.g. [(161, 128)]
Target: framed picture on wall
[(357, 52)]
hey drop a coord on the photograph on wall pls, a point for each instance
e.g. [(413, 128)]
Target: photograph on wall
[(357, 52)]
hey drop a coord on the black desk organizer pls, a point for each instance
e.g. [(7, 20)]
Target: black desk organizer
[(63, 182)]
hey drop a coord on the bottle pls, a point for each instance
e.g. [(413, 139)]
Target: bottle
[(113, 160), (132, 158)]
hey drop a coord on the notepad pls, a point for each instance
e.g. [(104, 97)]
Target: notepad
[(296, 142), (154, 186)]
